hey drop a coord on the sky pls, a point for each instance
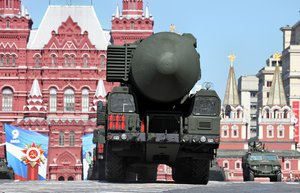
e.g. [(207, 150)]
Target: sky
[(248, 28)]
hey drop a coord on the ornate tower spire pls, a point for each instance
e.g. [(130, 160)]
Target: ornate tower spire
[(117, 12), (231, 94), (147, 13), (10, 7), (134, 24), (277, 95)]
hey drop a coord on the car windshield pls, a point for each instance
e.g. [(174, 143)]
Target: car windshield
[(263, 157)]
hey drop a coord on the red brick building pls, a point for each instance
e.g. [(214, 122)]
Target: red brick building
[(275, 130), (234, 131), (52, 77)]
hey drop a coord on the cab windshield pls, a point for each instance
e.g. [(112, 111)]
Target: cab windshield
[(263, 157), (122, 103)]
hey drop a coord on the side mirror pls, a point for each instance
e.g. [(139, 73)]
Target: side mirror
[(282, 159)]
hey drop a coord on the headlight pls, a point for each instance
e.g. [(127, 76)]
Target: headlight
[(203, 139), (206, 106), (124, 136), (254, 167), (276, 167)]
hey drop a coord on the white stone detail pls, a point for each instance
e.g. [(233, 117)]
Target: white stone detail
[(117, 12), (100, 91), (147, 14), (35, 89)]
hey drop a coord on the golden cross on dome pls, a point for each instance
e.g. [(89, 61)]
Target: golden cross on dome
[(277, 57), (172, 28), (231, 59)]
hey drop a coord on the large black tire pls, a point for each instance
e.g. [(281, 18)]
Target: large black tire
[(276, 178), (147, 174), (90, 174), (246, 174), (181, 171), (251, 176), (200, 171), (101, 170), (115, 167), (191, 171)]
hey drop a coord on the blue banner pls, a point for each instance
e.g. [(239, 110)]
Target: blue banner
[(26, 153), (87, 153)]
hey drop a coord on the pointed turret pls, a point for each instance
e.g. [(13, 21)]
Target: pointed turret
[(35, 106), (35, 89), (277, 95), (100, 91), (147, 13), (117, 12), (231, 94)]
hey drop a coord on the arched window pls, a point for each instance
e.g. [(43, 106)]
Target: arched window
[(72, 60), (238, 165), (7, 24), (7, 100), (53, 60), (85, 61), (132, 25), (61, 178), (53, 94), (270, 131), (72, 138), (66, 61), (1, 60), (226, 164), (85, 100), (287, 165), (238, 114), (225, 131), (267, 113), (7, 60), (61, 141), (280, 131), (102, 61), (234, 131), (69, 100), (13, 60), (70, 178), (276, 114), (37, 61), (285, 114)]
